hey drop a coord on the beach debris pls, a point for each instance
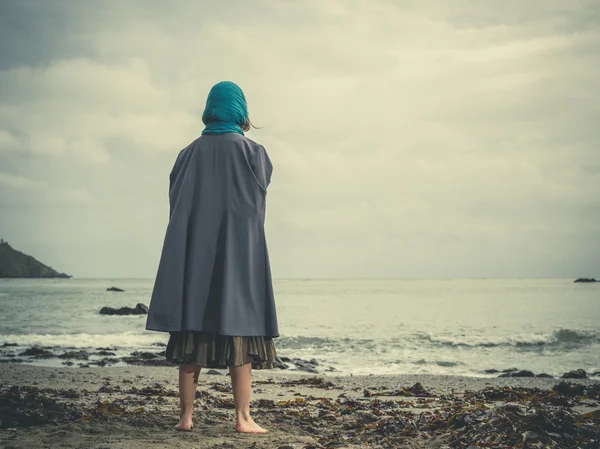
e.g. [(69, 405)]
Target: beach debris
[(139, 309), (416, 390), (586, 280), (492, 417), (316, 382), (576, 374), (24, 406), (114, 289)]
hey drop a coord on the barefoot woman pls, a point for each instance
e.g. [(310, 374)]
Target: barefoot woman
[(213, 291)]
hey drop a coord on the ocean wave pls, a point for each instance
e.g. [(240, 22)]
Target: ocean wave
[(129, 339), (559, 338)]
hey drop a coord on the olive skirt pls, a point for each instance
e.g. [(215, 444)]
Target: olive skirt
[(212, 350)]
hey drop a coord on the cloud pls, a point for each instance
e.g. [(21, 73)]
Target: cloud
[(409, 139)]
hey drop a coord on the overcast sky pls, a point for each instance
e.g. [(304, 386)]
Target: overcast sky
[(408, 138)]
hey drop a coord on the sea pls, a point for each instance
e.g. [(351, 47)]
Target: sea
[(349, 326)]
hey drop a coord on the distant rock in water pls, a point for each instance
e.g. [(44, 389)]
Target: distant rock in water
[(114, 289), (15, 264), (520, 373), (585, 280), (140, 309)]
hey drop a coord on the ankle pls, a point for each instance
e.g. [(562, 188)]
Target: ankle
[(186, 412), (243, 415)]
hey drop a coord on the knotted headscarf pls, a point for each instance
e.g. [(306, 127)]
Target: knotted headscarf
[(226, 110)]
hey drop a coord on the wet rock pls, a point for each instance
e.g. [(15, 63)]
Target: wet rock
[(301, 365), (105, 361), (84, 365), (214, 372), (68, 363), (139, 309), (597, 373), (569, 388), (38, 352), (544, 375), (146, 359), (5, 345), (509, 370), (521, 373), (577, 374), (491, 371), (14, 360), (104, 352), (114, 289), (585, 280), (78, 355), (279, 363), (145, 355)]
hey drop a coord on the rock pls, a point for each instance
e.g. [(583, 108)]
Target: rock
[(15, 264), (544, 375), (79, 355), (139, 309), (105, 352), (491, 371), (314, 362), (37, 352), (509, 370), (585, 280), (279, 363), (569, 389), (597, 373), (154, 361), (114, 289), (68, 363), (286, 446), (105, 361), (214, 372), (521, 373), (84, 365), (8, 344), (144, 355), (577, 374), (301, 365)]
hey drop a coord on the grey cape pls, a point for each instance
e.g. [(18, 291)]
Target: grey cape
[(214, 273)]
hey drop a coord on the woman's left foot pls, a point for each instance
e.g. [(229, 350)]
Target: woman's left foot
[(185, 425), (248, 426)]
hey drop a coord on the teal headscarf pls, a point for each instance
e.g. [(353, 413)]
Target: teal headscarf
[(226, 109)]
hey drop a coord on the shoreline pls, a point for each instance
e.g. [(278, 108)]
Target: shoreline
[(136, 407)]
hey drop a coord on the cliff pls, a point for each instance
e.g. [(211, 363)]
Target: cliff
[(15, 264)]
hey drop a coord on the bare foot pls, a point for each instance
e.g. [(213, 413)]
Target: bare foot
[(184, 424), (248, 425)]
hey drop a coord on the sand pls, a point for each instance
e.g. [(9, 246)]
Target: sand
[(296, 414)]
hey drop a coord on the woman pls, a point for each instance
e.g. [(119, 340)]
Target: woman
[(213, 291)]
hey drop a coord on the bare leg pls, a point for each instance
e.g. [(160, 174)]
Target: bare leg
[(187, 393), (241, 381)]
